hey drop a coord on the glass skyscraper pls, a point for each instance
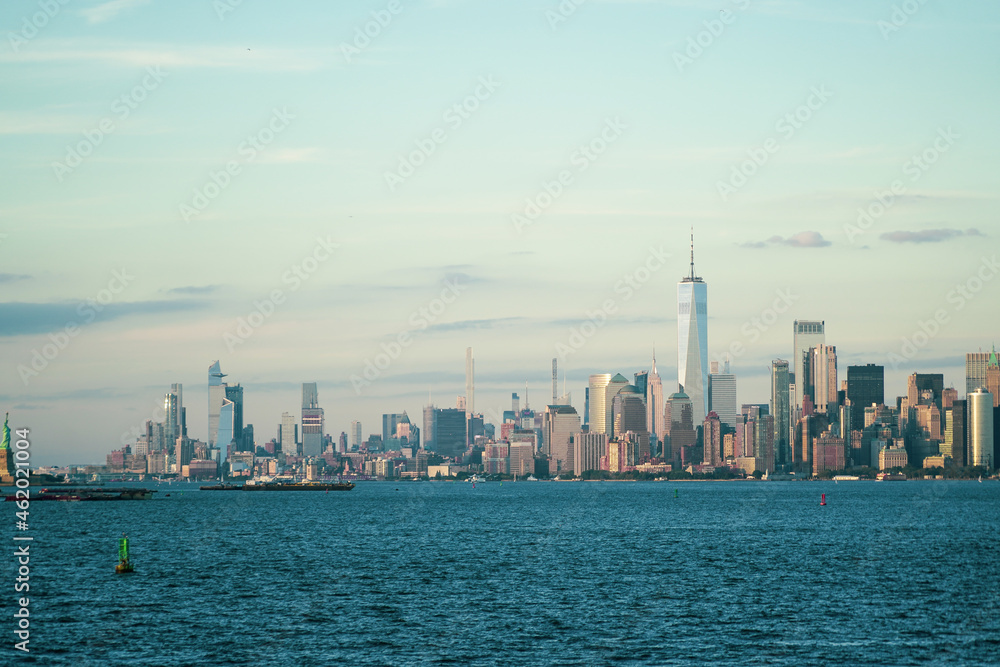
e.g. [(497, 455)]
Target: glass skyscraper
[(808, 334), (216, 396), (692, 340)]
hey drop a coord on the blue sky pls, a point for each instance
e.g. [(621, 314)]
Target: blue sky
[(182, 91)]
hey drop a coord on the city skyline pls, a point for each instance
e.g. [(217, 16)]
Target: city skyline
[(228, 187)]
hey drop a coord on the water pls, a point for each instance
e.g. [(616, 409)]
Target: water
[(540, 573)]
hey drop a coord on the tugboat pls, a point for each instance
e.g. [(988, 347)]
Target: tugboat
[(124, 562)]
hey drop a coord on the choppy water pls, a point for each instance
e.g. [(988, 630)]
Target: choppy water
[(526, 573)]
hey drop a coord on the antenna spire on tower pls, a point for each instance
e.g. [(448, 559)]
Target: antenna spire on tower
[(692, 252)]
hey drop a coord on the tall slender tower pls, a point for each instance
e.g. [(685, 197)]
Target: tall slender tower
[(470, 382), (692, 339), (555, 383), (654, 403), (779, 409), (216, 397)]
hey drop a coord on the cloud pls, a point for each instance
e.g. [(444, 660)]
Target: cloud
[(171, 57), (109, 10), (800, 240), (928, 235), (194, 289), (18, 319), (12, 277), (464, 325)]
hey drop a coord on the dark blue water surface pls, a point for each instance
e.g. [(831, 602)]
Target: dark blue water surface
[(584, 573)]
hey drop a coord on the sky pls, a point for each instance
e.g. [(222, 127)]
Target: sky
[(294, 190)]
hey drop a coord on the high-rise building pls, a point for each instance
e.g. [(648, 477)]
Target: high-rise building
[(654, 403), (823, 369), (722, 396), (865, 388), (982, 369), (918, 384), (449, 428), (981, 443), (287, 434), (597, 414), (617, 383), (692, 339), (234, 394), (807, 334), (628, 410), (779, 410), (216, 395), (173, 408), (954, 432), (312, 421), (355, 435), (560, 422), (428, 430), (712, 439), (389, 423), (679, 423), (588, 448)]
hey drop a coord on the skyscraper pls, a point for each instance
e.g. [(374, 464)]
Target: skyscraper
[(216, 395), (617, 383), (654, 403), (954, 432), (692, 340), (722, 396), (865, 388), (389, 423), (449, 427), (226, 433), (712, 440), (173, 408), (982, 369), (355, 434), (980, 426), (807, 334), (629, 414), (560, 422), (679, 423), (289, 447), (312, 421), (597, 415), (779, 410), (823, 370), (234, 394)]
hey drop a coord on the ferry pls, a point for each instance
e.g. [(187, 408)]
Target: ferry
[(890, 477), (276, 486)]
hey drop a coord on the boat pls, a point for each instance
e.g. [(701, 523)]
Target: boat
[(890, 477), (82, 494), (125, 565), (532, 478), (279, 486)]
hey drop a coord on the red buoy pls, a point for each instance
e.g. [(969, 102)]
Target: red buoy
[(823, 500)]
